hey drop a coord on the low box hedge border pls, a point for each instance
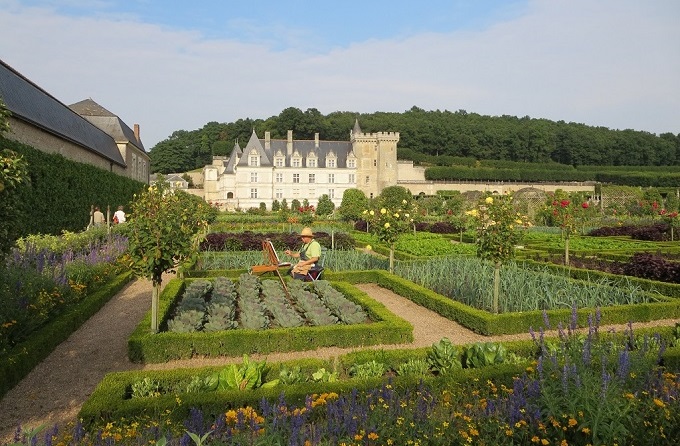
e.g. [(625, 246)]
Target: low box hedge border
[(489, 324), (110, 400), (144, 346), (26, 355)]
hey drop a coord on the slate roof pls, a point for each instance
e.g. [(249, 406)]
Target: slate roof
[(107, 121), (341, 149), (30, 103)]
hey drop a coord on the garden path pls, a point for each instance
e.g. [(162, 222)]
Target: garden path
[(55, 390)]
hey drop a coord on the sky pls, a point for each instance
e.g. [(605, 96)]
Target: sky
[(172, 65)]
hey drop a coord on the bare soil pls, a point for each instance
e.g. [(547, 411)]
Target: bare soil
[(55, 390)]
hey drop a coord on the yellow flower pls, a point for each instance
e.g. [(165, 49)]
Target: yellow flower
[(489, 200), (396, 215), (373, 436), (572, 422), (387, 225), (659, 403), (383, 211), (545, 442), (372, 212), (368, 247), (403, 201)]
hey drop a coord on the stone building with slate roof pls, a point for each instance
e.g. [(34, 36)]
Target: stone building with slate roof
[(275, 169), (86, 132)]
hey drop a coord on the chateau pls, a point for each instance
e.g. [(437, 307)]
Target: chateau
[(275, 169)]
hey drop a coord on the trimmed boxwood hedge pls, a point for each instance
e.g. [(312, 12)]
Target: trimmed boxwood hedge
[(144, 346), (487, 323), (110, 401), (26, 355)]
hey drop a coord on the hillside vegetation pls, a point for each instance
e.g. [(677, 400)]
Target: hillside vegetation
[(437, 137)]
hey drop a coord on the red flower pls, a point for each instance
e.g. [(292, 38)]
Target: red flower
[(584, 205), (564, 203), (655, 205)]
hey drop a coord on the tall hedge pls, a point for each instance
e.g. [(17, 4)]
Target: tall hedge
[(60, 191)]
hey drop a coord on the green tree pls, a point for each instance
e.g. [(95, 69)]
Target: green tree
[(325, 206), (389, 224), (164, 228), (393, 197), (498, 232), (353, 204)]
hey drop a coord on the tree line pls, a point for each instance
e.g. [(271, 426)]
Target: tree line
[(432, 133)]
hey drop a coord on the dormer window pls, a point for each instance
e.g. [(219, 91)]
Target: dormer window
[(296, 161), (331, 160), (351, 163), (279, 159), (311, 162), (254, 159)]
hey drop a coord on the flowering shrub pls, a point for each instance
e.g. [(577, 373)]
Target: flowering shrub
[(306, 214), (388, 224), (498, 227)]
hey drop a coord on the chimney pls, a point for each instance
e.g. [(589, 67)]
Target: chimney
[(316, 140), (137, 133), (267, 140), (289, 144)]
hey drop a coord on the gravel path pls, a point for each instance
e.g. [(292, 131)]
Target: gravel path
[(55, 390)]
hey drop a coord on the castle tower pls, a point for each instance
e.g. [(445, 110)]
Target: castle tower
[(376, 155)]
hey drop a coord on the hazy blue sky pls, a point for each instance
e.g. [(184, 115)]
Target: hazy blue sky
[(171, 65)]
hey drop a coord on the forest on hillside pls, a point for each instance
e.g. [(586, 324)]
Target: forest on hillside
[(432, 133)]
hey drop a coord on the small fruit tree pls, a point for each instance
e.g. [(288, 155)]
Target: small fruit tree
[(498, 232), (163, 229), (568, 215), (389, 224)]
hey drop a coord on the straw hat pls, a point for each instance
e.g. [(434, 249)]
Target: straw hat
[(306, 232)]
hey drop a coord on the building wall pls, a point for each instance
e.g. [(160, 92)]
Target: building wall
[(49, 143)]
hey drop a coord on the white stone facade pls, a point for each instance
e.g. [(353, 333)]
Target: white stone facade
[(266, 170)]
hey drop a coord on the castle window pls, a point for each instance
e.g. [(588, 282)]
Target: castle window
[(253, 177), (331, 193), (279, 178), (375, 163), (368, 179), (296, 178), (279, 193), (278, 162), (296, 162), (254, 161), (331, 178), (352, 179), (352, 163), (312, 177), (253, 193), (312, 193), (311, 162), (330, 162)]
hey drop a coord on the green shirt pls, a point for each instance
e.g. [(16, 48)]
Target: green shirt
[(312, 249)]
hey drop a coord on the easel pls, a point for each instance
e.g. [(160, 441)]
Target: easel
[(271, 263)]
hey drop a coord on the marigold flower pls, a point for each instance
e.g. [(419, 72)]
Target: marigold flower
[(659, 403), (489, 200), (373, 436)]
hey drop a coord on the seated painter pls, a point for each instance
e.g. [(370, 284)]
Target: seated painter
[(309, 255)]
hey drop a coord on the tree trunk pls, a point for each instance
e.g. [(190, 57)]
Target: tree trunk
[(154, 307), (392, 258), (496, 285)]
